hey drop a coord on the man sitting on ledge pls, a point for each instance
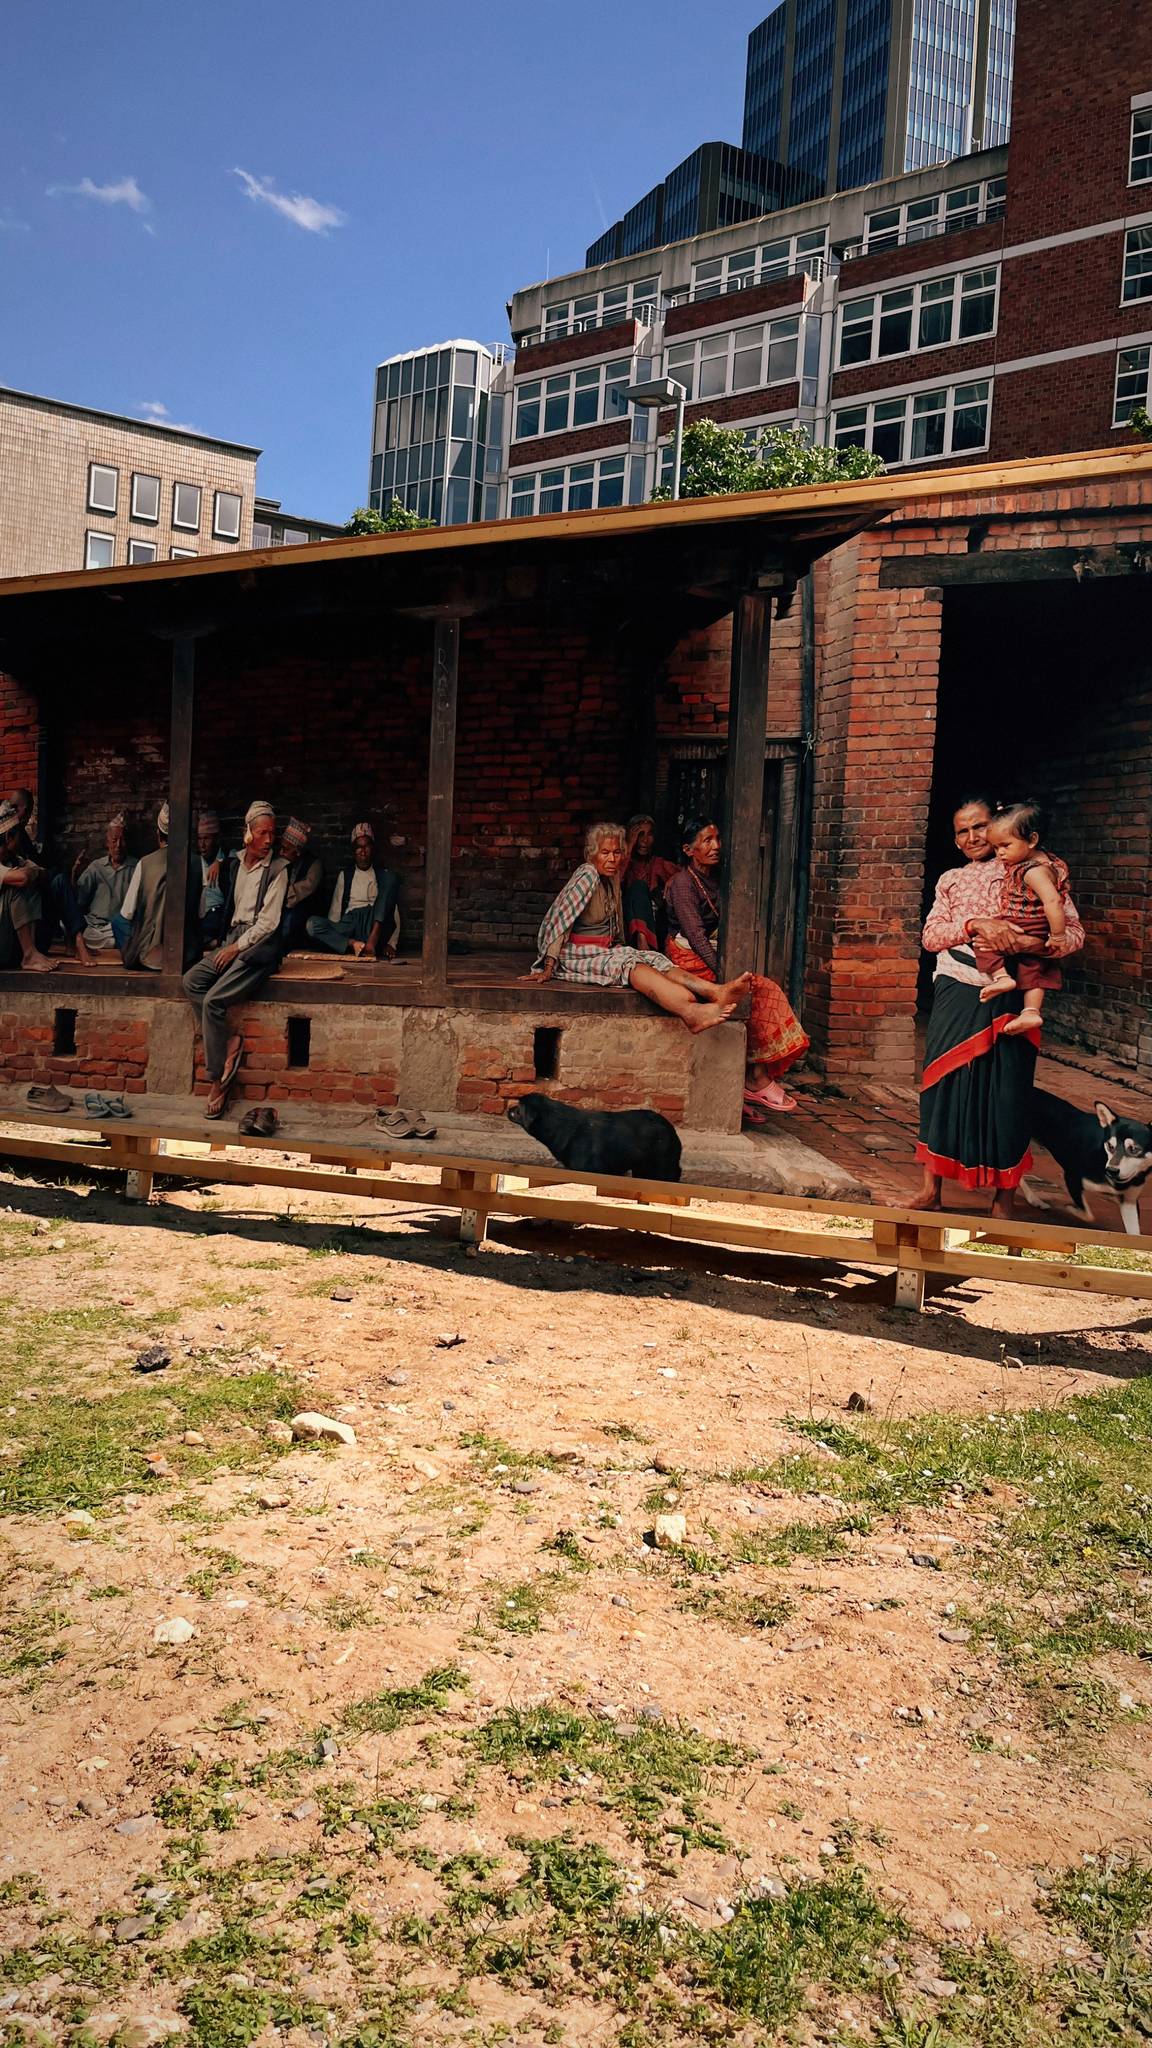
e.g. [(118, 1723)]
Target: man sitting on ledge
[(20, 901), (362, 917), (253, 907), (103, 886), (138, 925)]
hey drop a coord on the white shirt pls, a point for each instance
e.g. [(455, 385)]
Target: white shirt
[(248, 882), (361, 893), (128, 907)]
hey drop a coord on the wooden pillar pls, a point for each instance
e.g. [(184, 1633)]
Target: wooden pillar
[(740, 927), (441, 793), (179, 799)]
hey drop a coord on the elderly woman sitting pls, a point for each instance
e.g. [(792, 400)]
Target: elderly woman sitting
[(580, 941)]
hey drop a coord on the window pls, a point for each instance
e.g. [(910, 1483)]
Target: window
[(1137, 265), (261, 534), (575, 398), (741, 268), (741, 359), (186, 507), (574, 489), (295, 537), (103, 483), (940, 213), (226, 515), (1140, 154), (637, 301), (145, 498), (182, 555), (918, 428), (927, 315), (1133, 382), (98, 551), (141, 551)]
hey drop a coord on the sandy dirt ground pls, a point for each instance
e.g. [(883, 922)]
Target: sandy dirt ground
[(812, 1763)]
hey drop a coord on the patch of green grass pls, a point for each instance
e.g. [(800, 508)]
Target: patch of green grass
[(566, 1544), (31, 1641), (82, 1441), (381, 1712), (492, 1456), (205, 1801), (658, 1772), (343, 1612), (23, 1888), (378, 1821), (521, 1609), (623, 1433), (743, 1613), (220, 1565), (760, 1964), (1106, 1902)]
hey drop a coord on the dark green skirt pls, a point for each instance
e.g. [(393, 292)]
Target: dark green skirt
[(976, 1090)]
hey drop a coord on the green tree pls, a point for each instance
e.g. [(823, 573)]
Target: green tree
[(717, 460), (1140, 421), (397, 519)]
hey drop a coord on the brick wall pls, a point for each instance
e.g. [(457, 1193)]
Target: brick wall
[(354, 1055), (551, 448), (778, 295), (111, 1043), (539, 356), (1076, 66), (19, 735)]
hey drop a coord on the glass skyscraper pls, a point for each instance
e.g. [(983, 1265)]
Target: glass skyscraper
[(851, 91), (437, 433), (715, 187)]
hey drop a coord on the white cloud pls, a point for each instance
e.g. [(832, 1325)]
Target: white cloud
[(297, 207), (121, 192), (157, 416)]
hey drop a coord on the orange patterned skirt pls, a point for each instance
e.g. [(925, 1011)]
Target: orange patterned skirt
[(776, 1037)]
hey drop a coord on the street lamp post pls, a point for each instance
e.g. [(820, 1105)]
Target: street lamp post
[(664, 391)]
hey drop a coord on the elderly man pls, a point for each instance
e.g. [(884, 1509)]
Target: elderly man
[(20, 899), (204, 923), (305, 869), (253, 907), (362, 917), (103, 885), (138, 926)]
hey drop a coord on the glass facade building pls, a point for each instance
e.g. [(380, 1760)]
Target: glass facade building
[(852, 91), (716, 187), (437, 433)]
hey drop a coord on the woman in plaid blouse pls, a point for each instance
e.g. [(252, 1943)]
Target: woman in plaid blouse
[(581, 941)]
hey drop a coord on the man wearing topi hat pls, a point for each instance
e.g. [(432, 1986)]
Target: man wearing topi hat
[(20, 902), (362, 917), (254, 894)]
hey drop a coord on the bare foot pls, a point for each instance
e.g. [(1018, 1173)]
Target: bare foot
[(356, 948), (37, 963), (733, 991), (1004, 1203), (929, 1195), (1000, 985), (1027, 1020), (705, 1015), (84, 956)]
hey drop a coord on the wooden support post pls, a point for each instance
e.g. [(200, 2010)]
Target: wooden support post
[(441, 791), (473, 1222), (921, 1238), (138, 1186), (740, 928), (179, 800)]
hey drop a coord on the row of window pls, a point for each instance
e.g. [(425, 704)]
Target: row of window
[(571, 489), (1137, 266), (104, 494), (573, 398), (742, 359), (635, 301), (100, 552), (920, 427), (1133, 383), (925, 315), (940, 213), (742, 268), (419, 416), (1140, 148)]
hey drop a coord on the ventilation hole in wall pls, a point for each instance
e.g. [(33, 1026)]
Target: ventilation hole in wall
[(63, 1033), (546, 1052), (299, 1041)]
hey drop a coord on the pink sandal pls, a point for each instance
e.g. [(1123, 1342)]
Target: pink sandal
[(771, 1096)]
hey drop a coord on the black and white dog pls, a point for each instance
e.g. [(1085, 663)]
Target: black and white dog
[(1109, 1154)]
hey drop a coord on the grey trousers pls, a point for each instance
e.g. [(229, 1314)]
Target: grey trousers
[(212, 995), (19, 908)]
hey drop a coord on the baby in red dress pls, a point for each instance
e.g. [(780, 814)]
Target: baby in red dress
[(1033, 895)]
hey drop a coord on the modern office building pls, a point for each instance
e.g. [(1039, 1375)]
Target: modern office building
[(713, 188), (851, 91), (437, 432), (85, 489)]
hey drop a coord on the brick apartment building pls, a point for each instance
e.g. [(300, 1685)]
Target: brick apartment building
[(97, 490)]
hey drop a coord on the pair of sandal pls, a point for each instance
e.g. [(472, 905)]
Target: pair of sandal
[(772, 1097), (398, 1123), (260, 1122), (217, 1101), (101, 1106)]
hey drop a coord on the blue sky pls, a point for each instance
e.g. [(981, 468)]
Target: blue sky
[(405, 168)]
